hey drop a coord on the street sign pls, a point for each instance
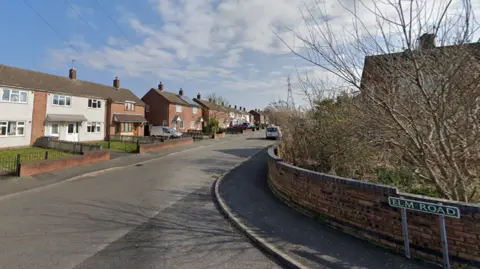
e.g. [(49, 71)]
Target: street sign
[(438, 209), (431, 208)]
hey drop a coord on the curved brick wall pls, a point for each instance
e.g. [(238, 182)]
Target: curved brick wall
[(361, 209)]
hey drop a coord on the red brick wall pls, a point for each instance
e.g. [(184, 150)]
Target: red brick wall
[(36, 167), (39, 115), (158, 108), (165, 145), (120, 108), (362, 209)]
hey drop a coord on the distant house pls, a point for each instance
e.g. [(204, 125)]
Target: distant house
[(173, 110), (258, 116), (35, 104), (212, 109)]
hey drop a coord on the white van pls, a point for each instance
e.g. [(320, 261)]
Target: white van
[(273, 132), (164, 131)]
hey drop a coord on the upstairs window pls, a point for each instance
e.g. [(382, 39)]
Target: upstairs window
[(129, 107), (13, 96), (92, 103), (62, 100), (195, 110), (179, 108), (147, 108)]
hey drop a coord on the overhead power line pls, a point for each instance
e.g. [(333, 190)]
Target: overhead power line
[(51, 27), (118, 27), (79, 15)]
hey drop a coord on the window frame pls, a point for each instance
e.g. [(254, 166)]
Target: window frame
[(95, 127), (91, 102), (51, 129), (192, 124), (18, 125), (178, 108), (126, 127), (67, 100), (194, 110), (182, 125), (129, 106), (165, 123), (18, 92)]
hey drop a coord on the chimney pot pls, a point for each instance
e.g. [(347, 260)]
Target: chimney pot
[(229, 105), (198, 96), (160, 86), (116, 83), (244, 109), (180, 92), (72, 74), (426, 41), (235, 106)]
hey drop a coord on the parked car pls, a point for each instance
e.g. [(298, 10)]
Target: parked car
[(164, 131), (244, 126), (273, 132)]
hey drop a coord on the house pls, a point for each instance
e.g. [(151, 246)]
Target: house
[(174, 110), (239, 115), (36, 104), (258, 116), (212, 109)]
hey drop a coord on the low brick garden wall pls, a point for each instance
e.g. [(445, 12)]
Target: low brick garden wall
[(165, 145), (36, 167), (361, 209), (222, 135)]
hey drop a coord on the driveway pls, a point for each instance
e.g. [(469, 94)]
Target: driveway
[(158, 214)]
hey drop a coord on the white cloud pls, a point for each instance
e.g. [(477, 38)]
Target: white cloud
[(204, 39)]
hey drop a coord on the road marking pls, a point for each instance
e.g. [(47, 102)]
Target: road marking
[(94, 173)]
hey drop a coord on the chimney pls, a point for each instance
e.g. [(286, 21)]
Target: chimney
[(229, 105), (244, 109), (223, 103), (198, 96), (426, 41), (235, 106), (72, 74), (180, 92), (160, 86), (116, 83)]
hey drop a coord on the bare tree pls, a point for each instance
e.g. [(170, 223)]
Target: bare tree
[(419, 94), (218, 99)]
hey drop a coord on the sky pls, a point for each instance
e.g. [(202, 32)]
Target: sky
[(226, 47)]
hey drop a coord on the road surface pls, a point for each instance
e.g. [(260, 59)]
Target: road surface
[(156, 215)]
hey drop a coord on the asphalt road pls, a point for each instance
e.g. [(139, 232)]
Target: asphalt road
[(156, 215)]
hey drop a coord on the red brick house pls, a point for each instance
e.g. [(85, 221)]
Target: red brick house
[(173, 110), (258, 116), (212, 109)]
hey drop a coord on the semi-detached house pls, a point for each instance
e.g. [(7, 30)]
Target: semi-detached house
[(35, 104), (173, 110)]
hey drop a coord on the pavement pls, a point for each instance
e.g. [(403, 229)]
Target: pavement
[(294, 239), (149, 213)]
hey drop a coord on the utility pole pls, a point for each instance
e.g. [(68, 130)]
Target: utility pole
[(290, 102)]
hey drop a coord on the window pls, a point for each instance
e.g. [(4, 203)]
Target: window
[(12, 128), (129, 106), (179, 108), (195, 111), (181, 125), (192, 124), (70, 128), (93, 127), (54, 129), (126, 127), (14, 96), (147, 108), (92, 103), (164, 123), (61, 100)]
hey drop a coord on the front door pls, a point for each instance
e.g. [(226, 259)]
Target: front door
[(72, 132)]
